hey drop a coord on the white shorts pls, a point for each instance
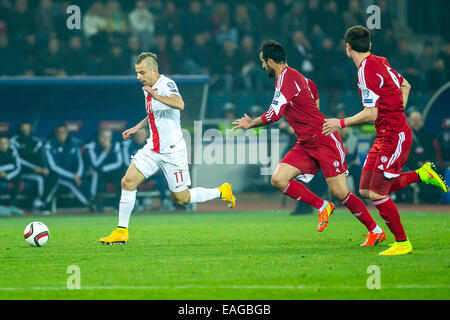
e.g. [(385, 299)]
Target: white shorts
[(174, 166)]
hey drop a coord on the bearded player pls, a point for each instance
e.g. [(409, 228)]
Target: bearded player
[(384, 97), (295, 100), (165, 149)]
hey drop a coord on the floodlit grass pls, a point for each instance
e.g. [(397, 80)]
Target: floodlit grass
[(232, 255)]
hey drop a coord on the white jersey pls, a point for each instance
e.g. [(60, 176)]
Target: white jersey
[(164, 121)]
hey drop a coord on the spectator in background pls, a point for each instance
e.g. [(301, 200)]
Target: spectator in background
[(177, 54), (29, 59), (406, 62), (333, 25), (142, 23), (353, 15), (103, 160), (422, 151), (133, 50), (60, 19), (21, 21), (162, 52), (54, 60), (315, 14), (115, 62), (116, 20), (249, 62), (169, 24), (9, 172), (242, 20), (294, 19), (299, 53), (94, 20), (436, 77), (8, 61), (30, 151), (427, 58), (442, 144), (200, 53), (227, 65), (270, 28), (221, 24), (195, 22), (66, 165), (328, 74), (76, 57), (44, 18), (445, 56)]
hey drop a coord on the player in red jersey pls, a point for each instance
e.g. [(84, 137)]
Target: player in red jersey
[(384, 95), (295, 101)]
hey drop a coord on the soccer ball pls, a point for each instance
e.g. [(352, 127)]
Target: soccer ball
[(36, 234)]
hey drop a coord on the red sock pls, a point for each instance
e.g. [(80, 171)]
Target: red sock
[(403, 180), (298, 191), (359, 210), (390, 215)]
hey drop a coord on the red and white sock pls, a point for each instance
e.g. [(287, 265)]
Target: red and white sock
[(404, 179), (127, 201), (299, 192), (360, 211), (389, 213)]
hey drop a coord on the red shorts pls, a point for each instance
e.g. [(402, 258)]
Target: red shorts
[(324, 152), (385, 160)]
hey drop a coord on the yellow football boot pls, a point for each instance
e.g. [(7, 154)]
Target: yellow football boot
[(120, 236), (226, 194), (397, 249), (427, 174)]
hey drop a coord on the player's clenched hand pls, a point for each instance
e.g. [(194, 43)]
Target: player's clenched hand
[(128, 133), (330, 126), (243, 123)]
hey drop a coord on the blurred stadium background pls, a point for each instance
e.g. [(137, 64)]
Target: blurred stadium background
[(85, 78)]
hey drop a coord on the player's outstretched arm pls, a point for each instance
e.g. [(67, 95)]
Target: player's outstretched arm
[(247, 123), (129, 132), (333, 125), (174, 100)]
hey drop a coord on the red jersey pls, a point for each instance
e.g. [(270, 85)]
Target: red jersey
[(294, 99), (379, 86), (312, 86)]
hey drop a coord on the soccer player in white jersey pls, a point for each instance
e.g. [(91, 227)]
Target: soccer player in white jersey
[(165, 148)]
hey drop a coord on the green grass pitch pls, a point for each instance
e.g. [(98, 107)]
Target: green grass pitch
[(225, 255)]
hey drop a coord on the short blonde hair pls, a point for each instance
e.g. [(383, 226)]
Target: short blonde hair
[(152, 59)]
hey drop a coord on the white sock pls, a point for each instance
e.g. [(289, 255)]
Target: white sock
[(377, 230), (325, 204), (203, 194), (127, 200)]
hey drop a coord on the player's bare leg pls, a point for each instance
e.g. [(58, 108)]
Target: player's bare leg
[(283, 180), (199, 194), (389, 213), (338, 188), (132, 179)]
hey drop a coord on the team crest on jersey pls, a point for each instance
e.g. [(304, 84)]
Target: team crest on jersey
[(336, 163), (383, 159), (365, 93), (277, 94)]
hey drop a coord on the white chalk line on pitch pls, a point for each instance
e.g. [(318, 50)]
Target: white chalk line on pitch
[(237, 287)]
